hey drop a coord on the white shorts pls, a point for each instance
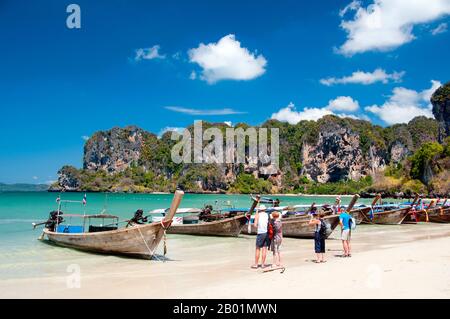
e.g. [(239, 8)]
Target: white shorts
[(345, 235)]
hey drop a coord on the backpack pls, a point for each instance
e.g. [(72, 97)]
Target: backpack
[(270, 229), (352, 223), (323, 229)]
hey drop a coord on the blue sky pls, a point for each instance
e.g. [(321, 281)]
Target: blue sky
[(260, 59)]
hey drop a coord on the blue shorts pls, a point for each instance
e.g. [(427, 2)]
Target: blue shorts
[(262, 240)]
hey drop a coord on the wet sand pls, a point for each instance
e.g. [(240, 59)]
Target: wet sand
[(406, 261)]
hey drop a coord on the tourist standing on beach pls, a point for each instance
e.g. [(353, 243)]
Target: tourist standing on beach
[(262, 238), (277, 239), (320, 234), (344, 221)]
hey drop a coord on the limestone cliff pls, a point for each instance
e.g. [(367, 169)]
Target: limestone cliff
[(441, 109), (114, 150)]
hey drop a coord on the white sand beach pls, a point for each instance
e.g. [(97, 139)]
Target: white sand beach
[(406, 261)]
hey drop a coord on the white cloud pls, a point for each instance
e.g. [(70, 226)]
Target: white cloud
[(85, 138), (35, 178), (190, 111), (193, 75), (292, 116), (170, 129), (228, 123), (405, 104), (227, 60), (442, 28), (343, 103), (387, 24), (149, 53), (352, 116), (366, 78)]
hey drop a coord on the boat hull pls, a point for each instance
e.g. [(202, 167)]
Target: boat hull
[(298, 227), (136, 241), (359, 213), (391, 217), (436, 215), (228, 227)]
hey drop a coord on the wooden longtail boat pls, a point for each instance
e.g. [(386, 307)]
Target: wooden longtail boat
[(299, 227), (358, 214), (435, 215), (389, 217), (136, 241), (230, 227)]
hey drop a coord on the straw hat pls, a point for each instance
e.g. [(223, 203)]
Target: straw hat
[(275, 213)]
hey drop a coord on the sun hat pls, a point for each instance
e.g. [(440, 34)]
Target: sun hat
[(262, 207), (272, 215)]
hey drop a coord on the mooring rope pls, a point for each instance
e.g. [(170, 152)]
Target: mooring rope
[(145, 242), (164, 227)]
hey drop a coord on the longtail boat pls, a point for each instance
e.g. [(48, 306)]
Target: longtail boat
[(299, 227), (136, 240), (394, 216), (227, 223), (436, 214), (229, 227), (359, 213)]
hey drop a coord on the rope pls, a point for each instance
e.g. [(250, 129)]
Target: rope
[(165, 227), (145, 242)]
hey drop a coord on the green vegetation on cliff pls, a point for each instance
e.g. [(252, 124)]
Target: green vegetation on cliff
[(248, 184)]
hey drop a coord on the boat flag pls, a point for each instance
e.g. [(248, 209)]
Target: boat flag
[(84, 200)]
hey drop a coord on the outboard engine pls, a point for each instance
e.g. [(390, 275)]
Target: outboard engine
[(205, 214), (53, 220), (138, 217)]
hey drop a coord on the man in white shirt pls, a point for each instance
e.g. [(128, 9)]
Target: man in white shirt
[(262, 238)]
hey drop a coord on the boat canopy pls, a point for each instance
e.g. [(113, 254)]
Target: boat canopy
[(179, 211)]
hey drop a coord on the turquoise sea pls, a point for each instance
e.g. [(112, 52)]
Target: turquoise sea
[(20, 250)]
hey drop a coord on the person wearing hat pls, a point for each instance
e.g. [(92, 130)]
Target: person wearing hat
[(262, 238), (275, 219)]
